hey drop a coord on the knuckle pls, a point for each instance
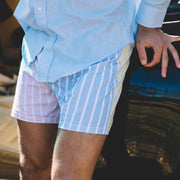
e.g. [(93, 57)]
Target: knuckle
[(165, 45), (138, 44), (160, 45)]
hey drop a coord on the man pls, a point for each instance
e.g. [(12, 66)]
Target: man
[(75, 55)]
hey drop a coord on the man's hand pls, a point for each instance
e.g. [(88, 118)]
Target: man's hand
[(160, 42)]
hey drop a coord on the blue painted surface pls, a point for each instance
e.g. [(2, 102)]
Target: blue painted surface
[(153, 85)]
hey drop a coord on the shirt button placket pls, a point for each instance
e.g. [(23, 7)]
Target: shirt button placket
[(40, 13)]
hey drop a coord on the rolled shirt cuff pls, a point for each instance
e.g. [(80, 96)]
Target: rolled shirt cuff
[(151, 13)]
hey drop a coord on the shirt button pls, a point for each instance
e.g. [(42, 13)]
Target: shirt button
[(40, 8)]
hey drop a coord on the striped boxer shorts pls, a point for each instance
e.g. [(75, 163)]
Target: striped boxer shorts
[(84, 101)]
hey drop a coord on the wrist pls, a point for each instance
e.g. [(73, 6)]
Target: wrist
[(140, 27)]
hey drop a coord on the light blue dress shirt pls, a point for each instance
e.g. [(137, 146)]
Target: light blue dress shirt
[(73, 34)]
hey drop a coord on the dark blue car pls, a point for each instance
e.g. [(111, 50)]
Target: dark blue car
[(145, 138)]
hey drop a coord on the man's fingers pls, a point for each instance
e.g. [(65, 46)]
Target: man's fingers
[(164, 65), (156, 57), (175, 55), (142, 54)]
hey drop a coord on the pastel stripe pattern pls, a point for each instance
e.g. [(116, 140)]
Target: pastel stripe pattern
[(34, 102), (84, 101), (123, 62), (88, 98)]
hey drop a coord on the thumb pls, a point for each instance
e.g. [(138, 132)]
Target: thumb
[(174, 38)]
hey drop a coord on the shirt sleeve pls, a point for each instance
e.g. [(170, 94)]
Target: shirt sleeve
[(151, 13)]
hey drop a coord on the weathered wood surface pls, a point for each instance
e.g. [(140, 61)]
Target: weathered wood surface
[(9, 153)]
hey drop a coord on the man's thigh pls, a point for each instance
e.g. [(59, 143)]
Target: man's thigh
[(36, 143), (76, 153)]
